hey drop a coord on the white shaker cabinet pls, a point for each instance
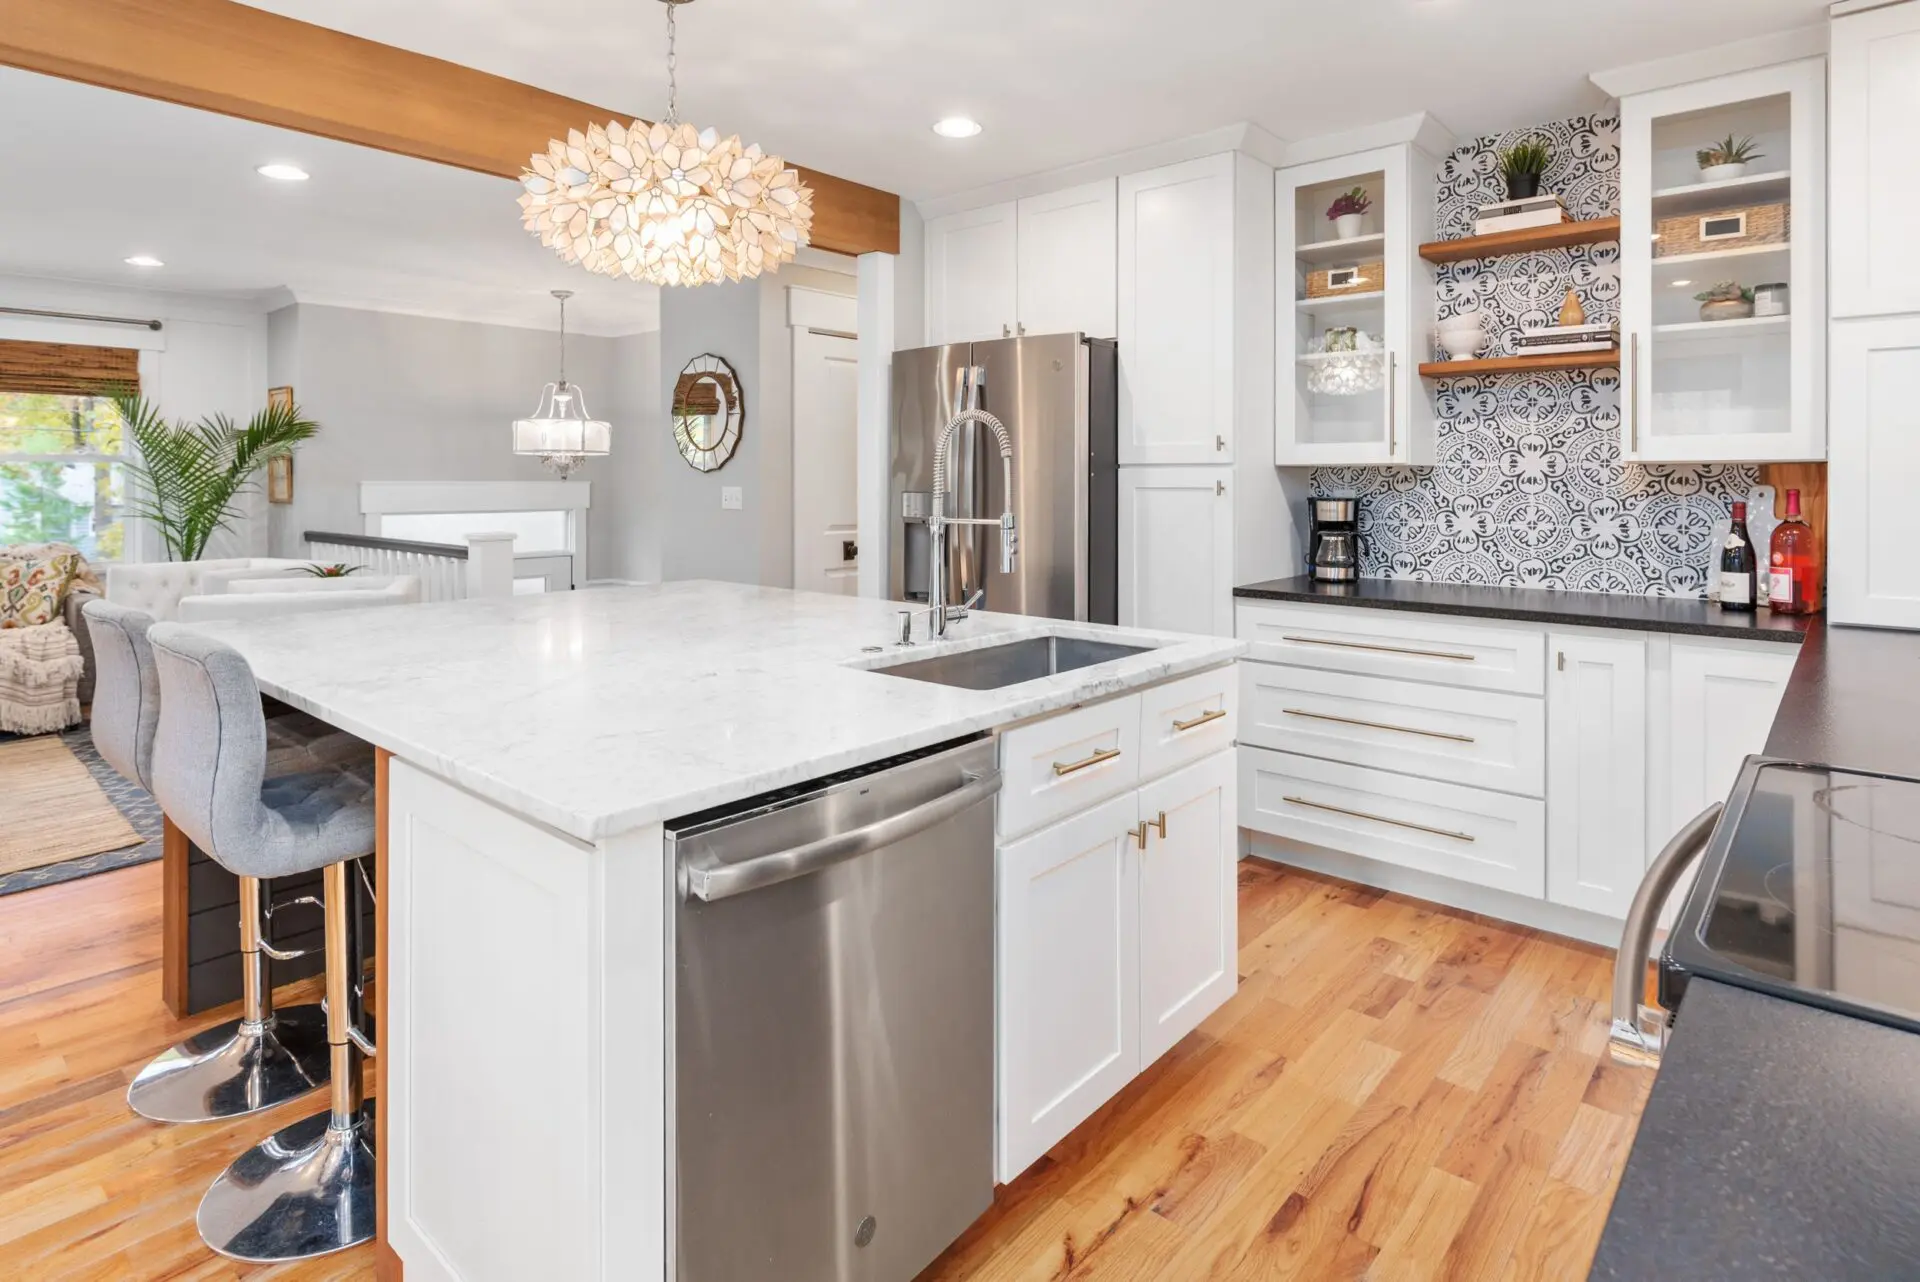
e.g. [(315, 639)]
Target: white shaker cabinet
[(1723, 700), (1873, 522), (1596, 770), (1069, 946), (1188, 927), (1876, 162), (1176, 313), (1066, 278), (972, 266), (1176, 549)]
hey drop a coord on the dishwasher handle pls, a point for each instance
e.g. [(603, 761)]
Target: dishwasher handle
[(1637, 1032), (710, 880)]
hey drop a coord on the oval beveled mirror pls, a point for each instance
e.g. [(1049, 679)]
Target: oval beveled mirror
[(709, 410)]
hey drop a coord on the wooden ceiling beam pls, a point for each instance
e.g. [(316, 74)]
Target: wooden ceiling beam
[(221, 56)]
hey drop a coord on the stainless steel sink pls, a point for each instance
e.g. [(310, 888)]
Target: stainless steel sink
[(991, 667)]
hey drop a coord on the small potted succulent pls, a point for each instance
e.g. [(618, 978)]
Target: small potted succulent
[(336, 570), (1726, 159), (1522, 164), (1348, 213), (1725, 301)]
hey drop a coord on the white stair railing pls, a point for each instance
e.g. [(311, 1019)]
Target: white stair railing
[(483, 567)]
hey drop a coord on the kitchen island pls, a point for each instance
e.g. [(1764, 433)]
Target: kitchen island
[(531, 751)]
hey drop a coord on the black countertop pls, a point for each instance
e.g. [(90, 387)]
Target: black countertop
[(1686, 616), (1780, 1141), (1854, 701)]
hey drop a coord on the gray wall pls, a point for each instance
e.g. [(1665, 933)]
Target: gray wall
[(700, 541), (411, 398)]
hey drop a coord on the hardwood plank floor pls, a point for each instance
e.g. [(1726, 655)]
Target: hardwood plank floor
[(1397, 1091)]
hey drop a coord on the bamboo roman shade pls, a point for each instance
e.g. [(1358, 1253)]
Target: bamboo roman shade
[(67, 369)]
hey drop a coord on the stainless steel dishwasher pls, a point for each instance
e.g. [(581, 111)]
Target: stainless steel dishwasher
[(833, 1023)]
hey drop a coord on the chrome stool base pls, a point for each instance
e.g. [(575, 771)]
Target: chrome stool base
[(233, 1069), (306, 1191)]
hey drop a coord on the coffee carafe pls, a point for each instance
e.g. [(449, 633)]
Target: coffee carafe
[(1333, 541)]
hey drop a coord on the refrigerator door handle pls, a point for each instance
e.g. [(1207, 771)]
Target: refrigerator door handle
[(1638, 1031)]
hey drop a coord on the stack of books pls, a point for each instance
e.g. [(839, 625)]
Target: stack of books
[(1568, 338), (1512, 215)]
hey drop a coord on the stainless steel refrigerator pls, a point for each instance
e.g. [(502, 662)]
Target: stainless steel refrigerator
[(1058, 396)]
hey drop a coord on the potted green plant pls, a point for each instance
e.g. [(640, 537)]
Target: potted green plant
[(1726, 159), (1348, 213), (1725, 301), (1522, 164), (333, 570), (187, 475)]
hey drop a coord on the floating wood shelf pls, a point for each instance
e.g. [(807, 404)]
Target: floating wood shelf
[(1523, 241), (1521, 364)]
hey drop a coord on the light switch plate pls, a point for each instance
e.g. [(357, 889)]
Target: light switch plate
[(730, 498)]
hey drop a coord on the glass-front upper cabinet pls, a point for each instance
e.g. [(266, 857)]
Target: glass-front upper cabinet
[(1351, 284), (1723, 268)]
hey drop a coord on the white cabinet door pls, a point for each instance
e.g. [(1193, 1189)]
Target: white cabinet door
[(1188, 929), (1176, 549), (1722, 707), (1873, 576), (971, 270), (1876, 162), (1069, 941), (1067, 264), (1596, 770), (1176, 313)]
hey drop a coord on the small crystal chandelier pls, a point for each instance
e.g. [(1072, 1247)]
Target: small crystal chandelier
[(560, 430), (665, 203)]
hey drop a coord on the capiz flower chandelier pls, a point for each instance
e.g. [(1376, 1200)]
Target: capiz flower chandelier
[(665, 203)]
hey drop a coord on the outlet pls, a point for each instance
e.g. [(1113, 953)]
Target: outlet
[(730, 498)]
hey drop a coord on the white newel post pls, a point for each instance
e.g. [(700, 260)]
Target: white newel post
[(489, 564)]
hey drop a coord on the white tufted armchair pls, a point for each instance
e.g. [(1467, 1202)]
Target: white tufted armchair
[(157, 587)]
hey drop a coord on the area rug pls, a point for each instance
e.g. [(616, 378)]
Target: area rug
[(67, 813)]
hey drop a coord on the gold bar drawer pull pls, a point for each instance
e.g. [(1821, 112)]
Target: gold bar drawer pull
[(1093, 759), (1201, 720), (1386, 649), (1378, 725), (1380, 819)]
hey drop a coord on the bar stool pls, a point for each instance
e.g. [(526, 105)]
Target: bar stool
[(308, 1189), (265, 1057)]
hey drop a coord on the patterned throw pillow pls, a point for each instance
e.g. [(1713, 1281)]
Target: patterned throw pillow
[(33, 592), (83, 573)]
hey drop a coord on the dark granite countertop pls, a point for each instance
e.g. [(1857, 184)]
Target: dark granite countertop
[(1854, 701), (1780, 1141), (1686, 616)]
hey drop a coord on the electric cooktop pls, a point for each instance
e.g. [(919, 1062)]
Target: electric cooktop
[(1809, 890)]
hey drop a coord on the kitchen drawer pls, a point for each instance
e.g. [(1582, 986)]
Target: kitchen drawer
[(1185, 720), (1470, 834), (1479, 737), (1396, 643), (1067, 763)]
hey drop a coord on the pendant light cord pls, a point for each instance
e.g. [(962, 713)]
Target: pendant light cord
[(562, 295), (673, 86)]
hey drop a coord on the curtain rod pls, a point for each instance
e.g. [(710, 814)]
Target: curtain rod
[(80, 316)]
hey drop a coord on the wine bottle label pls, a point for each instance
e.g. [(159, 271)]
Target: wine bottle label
[(1780, 587), (1734, 587)]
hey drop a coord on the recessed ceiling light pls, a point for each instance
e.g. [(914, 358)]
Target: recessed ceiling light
[(1681, 283), (956, 127), (144, 260), (283, 173)]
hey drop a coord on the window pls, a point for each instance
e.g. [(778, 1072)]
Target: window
[(62, 479)]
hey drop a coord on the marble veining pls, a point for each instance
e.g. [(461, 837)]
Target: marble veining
[(603, 710)]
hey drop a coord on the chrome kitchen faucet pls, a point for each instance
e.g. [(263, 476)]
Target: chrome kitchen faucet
[(939, 613)]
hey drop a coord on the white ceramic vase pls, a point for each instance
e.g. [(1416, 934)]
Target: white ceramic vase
[(1347, 226), (1721, 173), (1462, 336)]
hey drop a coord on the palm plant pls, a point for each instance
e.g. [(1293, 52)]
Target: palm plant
[(187, 475)]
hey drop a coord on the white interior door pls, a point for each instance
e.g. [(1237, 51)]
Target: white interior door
[(825, 504)]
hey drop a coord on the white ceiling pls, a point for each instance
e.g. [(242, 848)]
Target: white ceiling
[(113, 175), (852, 86)]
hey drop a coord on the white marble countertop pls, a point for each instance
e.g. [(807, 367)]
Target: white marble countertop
[(597, 711)]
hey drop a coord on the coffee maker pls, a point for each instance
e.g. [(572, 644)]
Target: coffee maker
[(1333, 539)]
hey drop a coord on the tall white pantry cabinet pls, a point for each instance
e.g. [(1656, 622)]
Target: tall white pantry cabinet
[(1873, 575)]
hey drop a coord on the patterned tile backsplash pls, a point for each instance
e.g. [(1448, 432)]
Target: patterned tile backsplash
[(1527, 488)]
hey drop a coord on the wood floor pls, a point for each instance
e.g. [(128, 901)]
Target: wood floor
[(1396, 1092)]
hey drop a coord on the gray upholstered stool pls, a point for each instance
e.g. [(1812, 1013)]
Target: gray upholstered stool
[(265, 1057), (308, 1189)]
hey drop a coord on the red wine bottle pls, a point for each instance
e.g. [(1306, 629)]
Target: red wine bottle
[(1739, 567), (1794, 586)]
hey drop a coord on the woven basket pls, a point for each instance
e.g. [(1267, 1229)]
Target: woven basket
[(1372, 277), (1766, 225)]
